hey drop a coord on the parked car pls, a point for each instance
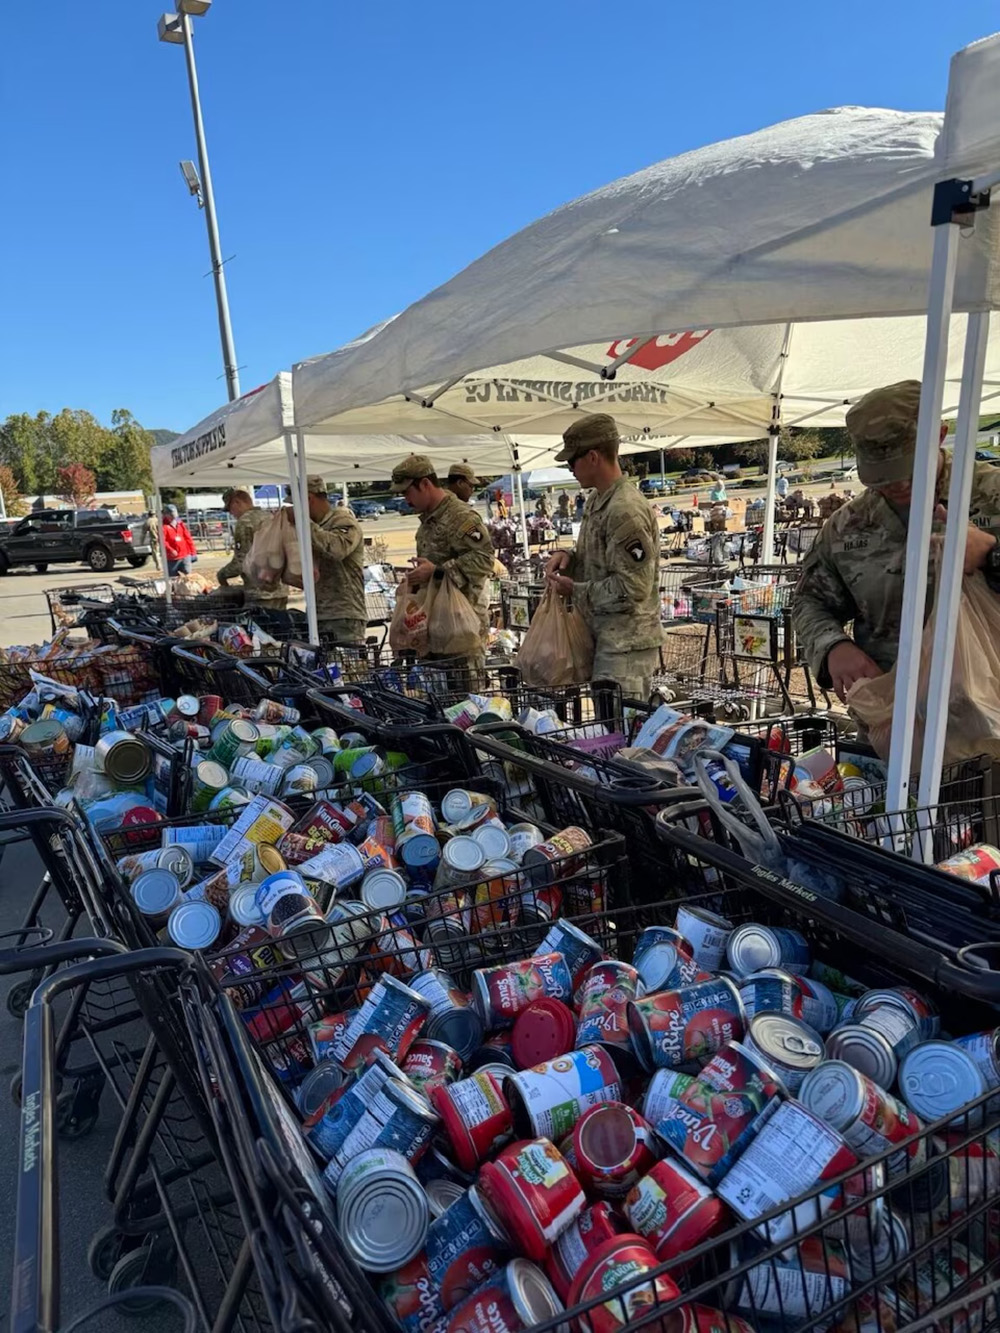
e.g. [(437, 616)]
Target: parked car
[(94, 537), (651, 486), (398, 504), (984, 456), (366, 508)]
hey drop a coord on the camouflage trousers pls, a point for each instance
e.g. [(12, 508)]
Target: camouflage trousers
[(341, 631), (632, 669)]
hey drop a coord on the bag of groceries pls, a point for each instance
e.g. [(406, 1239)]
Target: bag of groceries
[(408, 626), (974, 697), (453, 626), (558, 648), (265, 563)]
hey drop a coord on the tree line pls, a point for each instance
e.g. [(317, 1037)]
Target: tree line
[(70, 453)]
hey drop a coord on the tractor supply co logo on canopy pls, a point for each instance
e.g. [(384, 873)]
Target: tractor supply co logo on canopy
[(204, 444), (652, 355)]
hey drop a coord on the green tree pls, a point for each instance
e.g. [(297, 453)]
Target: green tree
[(123, 464), (24, 449)]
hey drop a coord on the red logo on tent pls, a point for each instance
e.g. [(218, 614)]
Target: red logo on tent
[(659, 351)]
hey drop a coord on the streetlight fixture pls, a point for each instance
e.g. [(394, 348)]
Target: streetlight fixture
[(175, 29)]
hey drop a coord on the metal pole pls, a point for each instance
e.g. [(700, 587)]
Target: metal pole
[(343, 492), (767, 540), (952, 561), (215, 249), (158, 511), (300, 505), (940, 298), (663, 469), (519, 488)]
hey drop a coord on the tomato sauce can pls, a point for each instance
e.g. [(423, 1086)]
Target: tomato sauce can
[(605, 992), (671, 1028), (975, 863), (875, 1043), (798, 1284), (517, 1297), (431, 1064), (500, 993), (412, 1297), (549, 1099), (662, 1092), (382, 1210), (612, 1147), (595, 1225), (752, 948), (794, 1154), (722, 1111), (870, 1119), (327, 1129), (674, 1211), (787, 1045), (703, 1319), (475, 1116), (534, 1193), (397, 1117), (453, 1019), (707, 933), (617, 1264), (664, 959), (917, 1007), (575, 945), (465, 1246), (389, 1020)]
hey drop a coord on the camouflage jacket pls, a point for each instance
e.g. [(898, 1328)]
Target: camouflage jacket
[(854, 572), (616, 568), (243, 535), (454, 537), (338, 556)]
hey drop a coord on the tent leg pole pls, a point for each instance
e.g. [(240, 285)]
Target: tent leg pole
[(309, 570), (519, 487), (158, 511), (343, 492), (767, 539), (950, 589), (925, 466), (301, 511)]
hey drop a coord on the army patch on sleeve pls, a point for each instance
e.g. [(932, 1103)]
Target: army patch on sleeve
[(636, 550), (474, 533)]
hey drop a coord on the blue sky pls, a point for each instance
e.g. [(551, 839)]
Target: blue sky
[(362, 154)]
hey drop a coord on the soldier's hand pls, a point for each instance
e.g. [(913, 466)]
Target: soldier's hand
[(556, 561), (979, 542), (421, 573), (846, 664), (561, 583)]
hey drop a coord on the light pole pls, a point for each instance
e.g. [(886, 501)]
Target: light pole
[(176, 29)]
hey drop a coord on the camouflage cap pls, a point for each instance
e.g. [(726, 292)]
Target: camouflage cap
[(463, 472), (586, 434), (413, 468), (883, 428), (315, 485), (230, 491)]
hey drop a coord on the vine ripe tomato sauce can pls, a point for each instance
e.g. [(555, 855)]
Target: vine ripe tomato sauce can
[(534, 1194), (664, 959), (618, 1262), (500, 993), (605, 992), (465, 1246), (431, 1064), (517, 1297), (594, 1226), (670, 1028), (674, 1211)]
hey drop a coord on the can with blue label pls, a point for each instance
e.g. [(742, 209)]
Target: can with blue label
[(664, 959), (548, 1100), (389, 1020), (327, 1129), (397, 1117)]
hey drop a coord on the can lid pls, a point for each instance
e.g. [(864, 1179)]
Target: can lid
[(937, 1078), (245, 732), (455, 805), (383, 1213), (270, 858), (752, 948), (211, 774), (461, 1029), (366, 765), (243, 906), (187, 705), (463, 853), (140, 814), (406, 1095), (865, 1050), (835, 1092), (178, 859), (420, 849), (383, 888), (317, 1085), (323, 769), (155, 892), (494, 840), (785, 1039), (194, 924), (125, 757), (531, 1292), (442, 1193), (42, 733), (542, 1031)]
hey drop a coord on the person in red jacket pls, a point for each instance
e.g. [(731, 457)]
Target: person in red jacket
[(179, 543)]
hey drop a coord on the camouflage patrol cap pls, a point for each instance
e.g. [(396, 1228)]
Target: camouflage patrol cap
[(413, 468), (883, 428), (315, 485), (588, 433), (463, 472), (231, 491)]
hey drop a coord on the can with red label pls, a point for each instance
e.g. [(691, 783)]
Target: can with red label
[(798, 1285), (723, 1110), (549, 1099), (703, 1319), (917, 1007), (534, 1193), (517, 1297), (575, 945), (664, 959), (431, 1064), (613, 1147), (594, 1226), (605, 992), (618, 1262), (465, 1246), (475, 1116), (389, 1020), (670, 1028), (674, 1211), (500, 993), (453, 1019), (976, 863), (870, 1119), (662, 1093), (560, 856), (412, 1296)]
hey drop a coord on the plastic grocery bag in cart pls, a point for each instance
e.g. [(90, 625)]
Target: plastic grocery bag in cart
[(974, 698), (452, 621), (558, 648), (408, 626), (274, 556), (735, 806)]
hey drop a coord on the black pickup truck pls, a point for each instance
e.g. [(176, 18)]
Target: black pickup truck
[(94, 537)]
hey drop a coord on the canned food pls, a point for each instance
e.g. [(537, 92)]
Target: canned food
[(875, 1043), (707, 933), (612, 1148), (431, 1064), (522, 838), (194, 925), (257, 776), (234, 738), (383, 890), (500, 993), (208, 779), (662, 1093), (938, 1078), (870, 1119), (462, 715), (397, 1117), (605, 993), (752, 948), (984, 1048), (917, 1007), (461, 860), (790, 1047), (495, 841), (673, 1211), (975, 864), (264, 820), (534, 1193), (464, 809), (230, 798), (242, 906), (124, 757), (465, 1246), (382, 1210), (156, 893), (882, 1248), (796, 1286), (338, 865), (475, 1117), (518, 1297), (543, 1031), (558, 857), (575, 945), (389, 1019), (588, 1231), (274, 887), (496, 897), (47, 739), (549, 1099), (299, 780), (318, 1087), (412, 811), (664, 959), (452, 1019), (670, 1028), (616, 1263), (327, 1127), (722, 1111)]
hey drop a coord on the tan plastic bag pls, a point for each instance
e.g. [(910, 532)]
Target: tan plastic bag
[(266, 560), (558, 648), (974, 700), (453, 628), (408, 626)]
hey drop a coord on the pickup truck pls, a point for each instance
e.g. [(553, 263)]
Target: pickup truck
[(94, 537)]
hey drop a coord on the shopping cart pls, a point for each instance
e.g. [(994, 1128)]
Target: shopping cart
[(67, 606)]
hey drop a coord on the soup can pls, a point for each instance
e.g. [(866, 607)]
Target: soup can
[(752, 948), (500, 993), (595, 1225), (431, 1064), (382, 1210), (389, 1019), (870, 1119), (339, 865), (605, 993), (708, 934), (475, 1117), (256, 775), (664, 959), (875, 1043), (617, 1262), (534, 1193), (674, 1211), (612, 1148), (671, 1028), (549, 1099), (518, 1297)]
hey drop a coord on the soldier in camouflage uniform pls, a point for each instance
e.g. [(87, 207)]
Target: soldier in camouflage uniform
[(613, 575), (463, 483), (452, 538), (238, 501), (854, 571), (338, 560)]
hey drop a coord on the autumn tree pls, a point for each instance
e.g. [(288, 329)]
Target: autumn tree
[(13, 502), (76, 484)]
